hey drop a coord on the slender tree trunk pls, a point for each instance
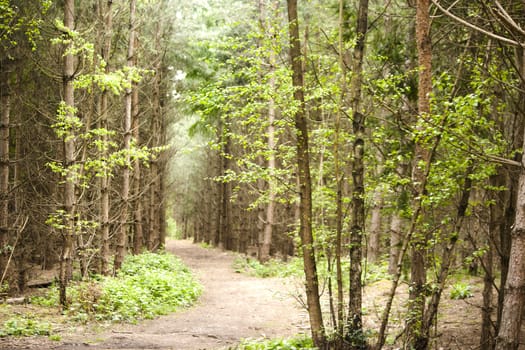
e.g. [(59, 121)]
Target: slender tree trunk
[(5, 103), (396, 240), (339, 173), (122, 239), (446, 261), (153, 232), (105, 179), (305, 184), (487, 329), (161, 189), (217, 236), (138, 238), (270, 208), (374, 237), (225, 228), (416, 338), (355, 326), (69, 161)]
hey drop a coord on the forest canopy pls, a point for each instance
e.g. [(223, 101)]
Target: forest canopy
[(349, 133)]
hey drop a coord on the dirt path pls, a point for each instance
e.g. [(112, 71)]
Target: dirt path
[(233, 306)]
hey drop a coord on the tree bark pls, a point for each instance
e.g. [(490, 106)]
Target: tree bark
[(514, 293), (339, 173), (138, 237), (376, 221), (68, 76), (305, 184), (105, 179), (421, 156), (122, 240), (270, 207), (355, 326), (5, 103), (509, 331), (396, 240)]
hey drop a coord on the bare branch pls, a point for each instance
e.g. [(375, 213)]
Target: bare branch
[(472, 26), (508, 19)]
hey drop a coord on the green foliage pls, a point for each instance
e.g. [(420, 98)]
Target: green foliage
[(296, 343), (55, 337), (376, 272), (172, 229), (146, 286), (205, 245), (461, 291), (25, 20), (24, 327), (272, 268)]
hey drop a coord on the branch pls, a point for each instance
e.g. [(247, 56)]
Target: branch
[(472, 26), (508, 19)]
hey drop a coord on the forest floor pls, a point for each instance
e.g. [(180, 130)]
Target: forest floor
[(234, 306)]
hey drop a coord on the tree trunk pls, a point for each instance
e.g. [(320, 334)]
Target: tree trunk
[(416, 338), (339, 172), (396, 240), (105, 179), (138, 237), (509, 331), (446, 260), (5, 103), (69, 161), (355, 327), (270, 207), (225, 229), (161, 189), (305, 184), (374, 235), (514, 293), (495, 226), (122, 240)]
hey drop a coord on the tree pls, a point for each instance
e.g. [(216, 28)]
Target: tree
[(123, 234), (358, 193), (68, 110), (421, 158), (107, 14), (304, 180)]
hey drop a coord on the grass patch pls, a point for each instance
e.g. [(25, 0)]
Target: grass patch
[(296, 343), (24, 326), (147, 285), (461, 291), (272, 268)]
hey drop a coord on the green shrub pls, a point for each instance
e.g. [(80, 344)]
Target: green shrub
[(296, 343), (147, 285), (461, 291), (24, 327), (376, 272), (272, 268)]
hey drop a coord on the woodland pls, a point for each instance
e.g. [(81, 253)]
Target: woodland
[(353, 134)]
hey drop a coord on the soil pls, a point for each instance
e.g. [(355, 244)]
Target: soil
[(236, 306), (232, 307)]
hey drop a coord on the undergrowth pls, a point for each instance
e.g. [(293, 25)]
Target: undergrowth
[(296, 343), (147, 285), (272, 268), (294, 267), (24, 326)]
